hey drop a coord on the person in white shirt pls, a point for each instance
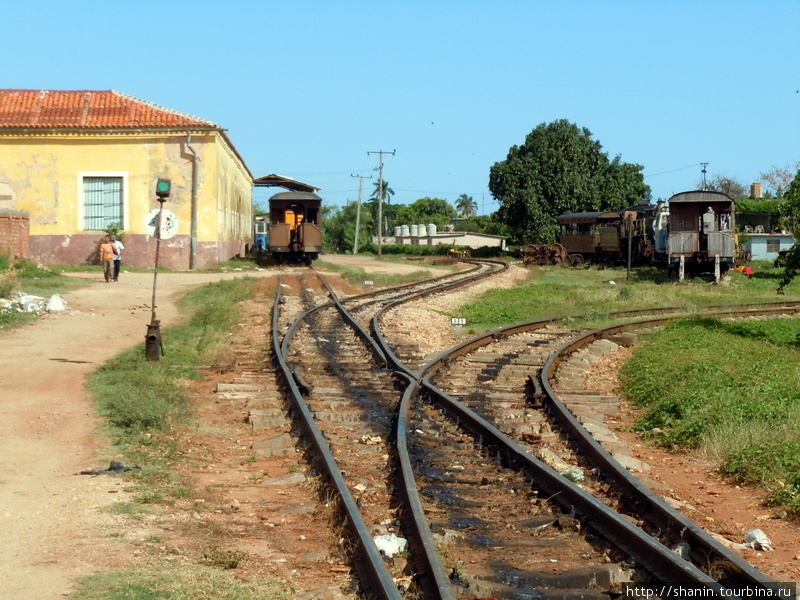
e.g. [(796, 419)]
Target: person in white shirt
[(117, 256)]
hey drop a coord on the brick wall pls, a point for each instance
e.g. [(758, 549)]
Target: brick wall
[(15, 233)]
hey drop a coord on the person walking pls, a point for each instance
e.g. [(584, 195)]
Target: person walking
[(107, 253), (118, 256)]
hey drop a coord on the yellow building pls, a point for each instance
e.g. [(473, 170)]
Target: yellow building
[(81, 161)]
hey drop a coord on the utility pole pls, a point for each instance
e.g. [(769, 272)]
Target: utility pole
[(361, 179), (704, 175), (380, 197)]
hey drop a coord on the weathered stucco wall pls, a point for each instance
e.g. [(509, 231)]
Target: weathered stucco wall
[(42, 174)]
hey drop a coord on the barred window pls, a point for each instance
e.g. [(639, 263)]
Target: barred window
[(103, 202), (773, 245)]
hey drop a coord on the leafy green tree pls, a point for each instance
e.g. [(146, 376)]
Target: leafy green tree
[(387, 192), (560, 169), (427, 210), (388, 209), (728, 185), (778, 179), (340, 228), (792, 220), (483, 224), (466, 206), (389, 214)]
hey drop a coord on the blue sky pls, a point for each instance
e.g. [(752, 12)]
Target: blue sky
[(307, 89)]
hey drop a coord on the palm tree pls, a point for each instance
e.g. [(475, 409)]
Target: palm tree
[(466, 206), (387, 192)]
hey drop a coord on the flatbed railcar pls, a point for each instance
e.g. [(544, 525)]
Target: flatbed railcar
[(295, 230)]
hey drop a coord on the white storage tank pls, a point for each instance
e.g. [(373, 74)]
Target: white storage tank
[(431, 229), (421, 229), (404, 230), (414, 231), (397, 231)]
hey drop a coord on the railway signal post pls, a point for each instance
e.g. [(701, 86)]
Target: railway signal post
[(153, 347)]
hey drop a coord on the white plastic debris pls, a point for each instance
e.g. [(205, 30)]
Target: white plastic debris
[(683, 549), (55, 304), (574, 475), (28, 303), (612, 283), (390, 545), (758, 540)]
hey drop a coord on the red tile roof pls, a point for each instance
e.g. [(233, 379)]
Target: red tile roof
[(81, 109)]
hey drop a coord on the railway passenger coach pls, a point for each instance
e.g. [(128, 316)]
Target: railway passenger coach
[(295, 230), (701, 231)]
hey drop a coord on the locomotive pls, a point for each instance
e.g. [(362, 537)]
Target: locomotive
[(295, 230), (607, 237), (697, 229)]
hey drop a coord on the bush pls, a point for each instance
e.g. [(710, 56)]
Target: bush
[(8, 283)]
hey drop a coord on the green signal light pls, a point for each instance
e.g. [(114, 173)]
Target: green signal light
[(163, 187)]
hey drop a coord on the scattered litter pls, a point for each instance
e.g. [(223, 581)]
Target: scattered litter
[(758, 540), (360, 487), (612, 283), (114, 467), (55, 304), (683, 549), (285, 285), (310, 290), (371, 440), (389, 544), (573, 475), (21, 302)]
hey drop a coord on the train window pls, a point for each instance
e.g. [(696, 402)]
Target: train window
[(294, 216)]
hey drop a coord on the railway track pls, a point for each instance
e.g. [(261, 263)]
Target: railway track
[(474, 454)]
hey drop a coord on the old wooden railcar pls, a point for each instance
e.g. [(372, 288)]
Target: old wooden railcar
[(603, 237), (295, 230), (701, 232)]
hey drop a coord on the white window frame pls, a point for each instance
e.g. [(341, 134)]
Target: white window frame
[(773, 242), (81, 200)]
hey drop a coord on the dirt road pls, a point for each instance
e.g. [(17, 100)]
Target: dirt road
[(48, 515)]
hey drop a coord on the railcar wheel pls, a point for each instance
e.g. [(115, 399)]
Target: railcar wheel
[(560, 251), (576, 260)]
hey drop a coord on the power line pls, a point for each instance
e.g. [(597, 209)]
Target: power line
[(674, 170)]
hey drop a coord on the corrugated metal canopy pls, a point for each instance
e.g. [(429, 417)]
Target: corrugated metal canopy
[(295, 197), (273, 180), (704, 196)]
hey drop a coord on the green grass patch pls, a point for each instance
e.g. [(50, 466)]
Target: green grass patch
[(142, 401), (176, 581), (24, 276), (728, 389), (558, 292)]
